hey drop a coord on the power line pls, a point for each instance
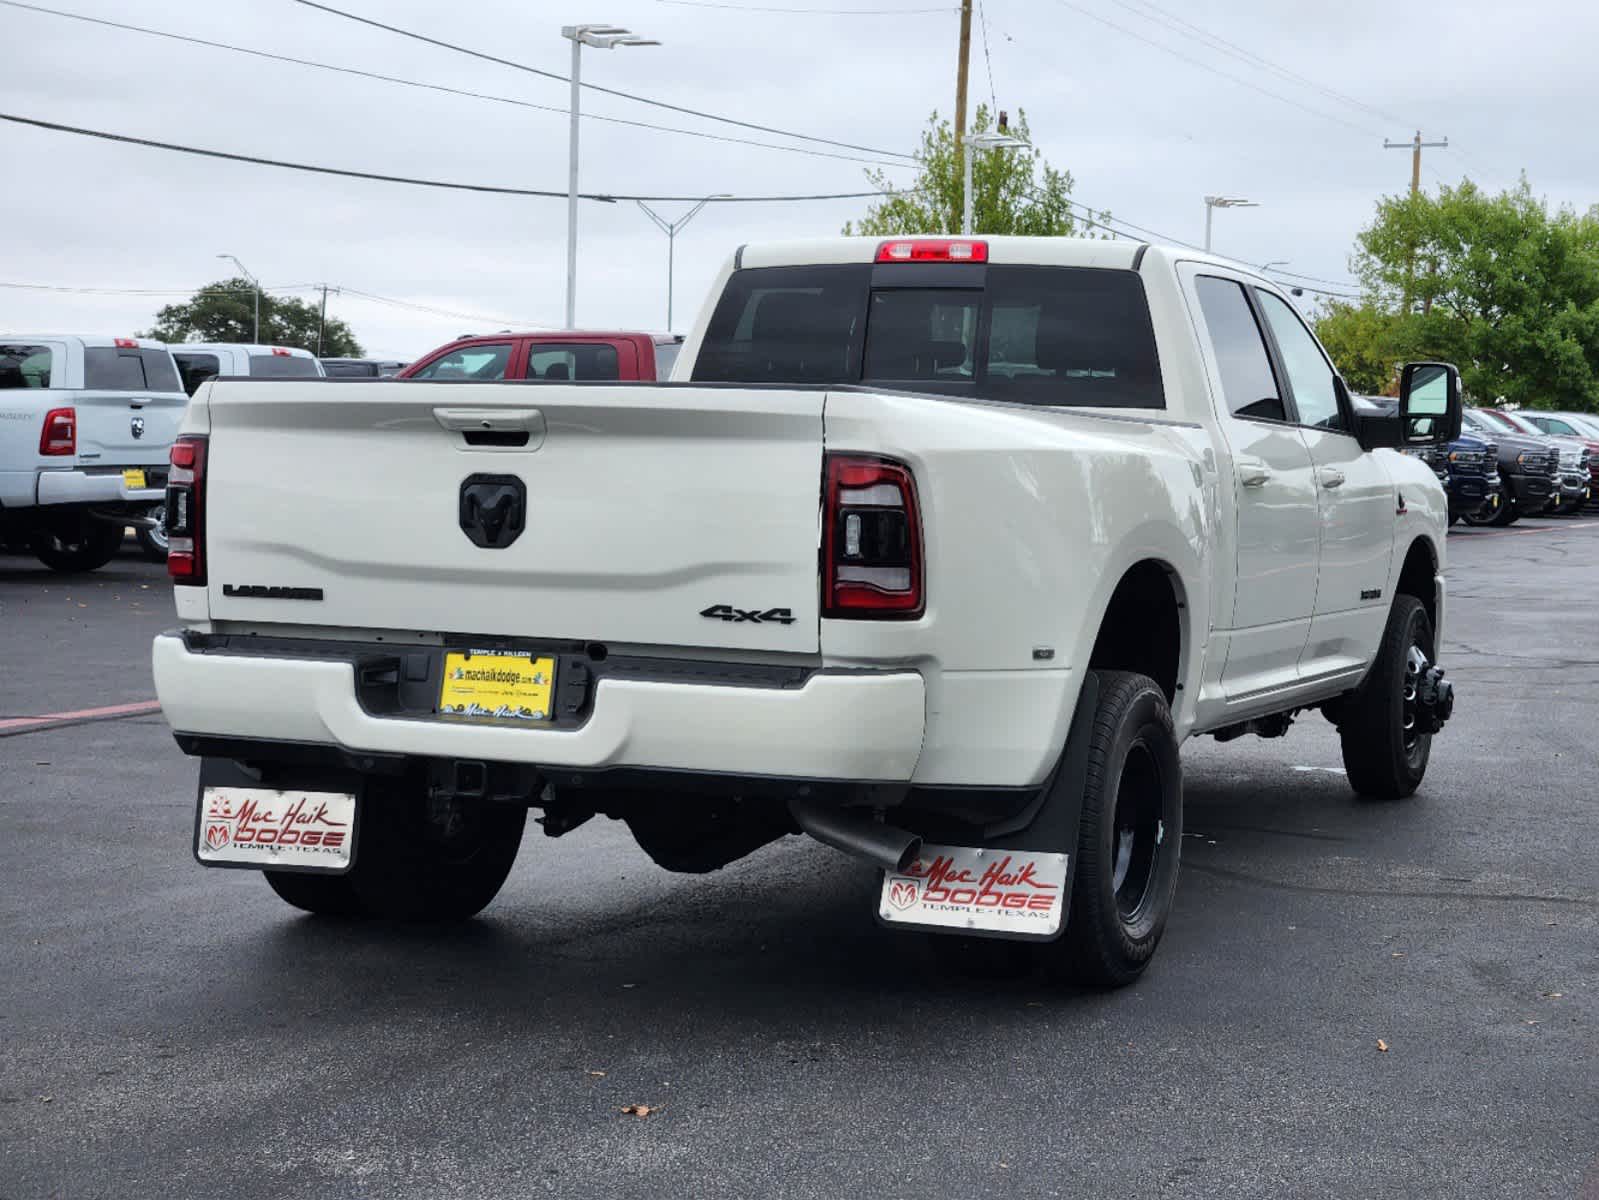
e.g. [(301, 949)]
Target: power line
[(432, 87), (446, 312), (188, 291), (602, 197), (809, 12), (516, 66), (1200, 63), (988, 62), (1188, 29)]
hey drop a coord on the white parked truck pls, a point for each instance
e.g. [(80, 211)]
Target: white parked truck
[(85, 427), (935, 549)]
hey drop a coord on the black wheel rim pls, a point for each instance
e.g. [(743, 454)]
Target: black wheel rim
[(1138, 832)]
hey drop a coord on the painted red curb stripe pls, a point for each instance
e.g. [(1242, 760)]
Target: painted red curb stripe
[(139, 708)]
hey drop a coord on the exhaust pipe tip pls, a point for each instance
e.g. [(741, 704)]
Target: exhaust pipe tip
[(857, 835)]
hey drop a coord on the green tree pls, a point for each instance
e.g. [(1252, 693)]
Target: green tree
[(1497, 284), (225, 312), (1013, 191), (1362, 340)]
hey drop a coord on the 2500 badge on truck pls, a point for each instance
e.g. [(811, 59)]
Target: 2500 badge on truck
[(936, 550)]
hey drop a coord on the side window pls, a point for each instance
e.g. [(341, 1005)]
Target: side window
[(470, 363), (1315, 393), (195, 369), (24, 366), (1554, 425), (1247, 382), (584, 361)]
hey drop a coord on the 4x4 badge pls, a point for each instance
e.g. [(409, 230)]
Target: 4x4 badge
[(726, 612)]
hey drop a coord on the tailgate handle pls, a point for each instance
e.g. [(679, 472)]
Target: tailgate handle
[(494, 428)]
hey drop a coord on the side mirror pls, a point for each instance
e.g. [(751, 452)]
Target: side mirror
[(1429, 404)]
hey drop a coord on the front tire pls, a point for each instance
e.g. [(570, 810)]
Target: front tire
[(84, 546), (1130, 838), (1385, 753)]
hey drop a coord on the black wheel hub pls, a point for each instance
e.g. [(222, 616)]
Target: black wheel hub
[(1429, 698)]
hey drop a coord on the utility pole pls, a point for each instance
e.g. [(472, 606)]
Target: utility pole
[(321, 320), (1415, 146), (961, 69)]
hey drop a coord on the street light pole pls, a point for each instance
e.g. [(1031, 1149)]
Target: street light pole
[(255, 283), (1212, 203), (603, 37), (670, 228), (998, 140)]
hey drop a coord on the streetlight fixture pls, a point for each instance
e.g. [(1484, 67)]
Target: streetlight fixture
[(256, 283), (999, 139), (601, 37), (670, 228), (1212, 203)]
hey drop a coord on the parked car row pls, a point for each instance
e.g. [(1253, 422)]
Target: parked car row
[(86, 422), (86, 458)]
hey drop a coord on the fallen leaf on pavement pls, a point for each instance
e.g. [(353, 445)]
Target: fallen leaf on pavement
[(598, 1074), (1382, 1046), (638, 1110), (1553, 995)]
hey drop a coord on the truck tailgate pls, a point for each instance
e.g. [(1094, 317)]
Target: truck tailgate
[(126, 428), (644, 507)]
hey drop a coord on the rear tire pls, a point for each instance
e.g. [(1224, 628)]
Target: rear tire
[(1384, 756), (84, 546), (422, 859), (1130, 839), (324, 895)]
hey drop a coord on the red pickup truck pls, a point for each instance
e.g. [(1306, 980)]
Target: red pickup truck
[(558, 357)]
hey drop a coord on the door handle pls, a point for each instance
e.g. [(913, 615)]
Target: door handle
[(1252, 473), (1331, 477)]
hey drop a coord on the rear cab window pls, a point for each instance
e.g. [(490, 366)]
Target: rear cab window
[(283, 366), (25, 366), (126, 369), (1052, 336)]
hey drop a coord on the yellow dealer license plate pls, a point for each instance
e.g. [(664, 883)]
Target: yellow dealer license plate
[(500, 684), (133, 479)]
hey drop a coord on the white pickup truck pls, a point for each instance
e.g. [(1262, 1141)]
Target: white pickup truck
[(85, 427), (935, 549)]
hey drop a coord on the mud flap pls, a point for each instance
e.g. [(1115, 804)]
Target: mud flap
[(1018, 883), (294, 820)]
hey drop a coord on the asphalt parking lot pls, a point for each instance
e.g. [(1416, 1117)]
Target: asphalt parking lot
[(171, 1031)]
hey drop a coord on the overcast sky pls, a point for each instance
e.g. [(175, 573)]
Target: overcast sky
[(1145, 131)]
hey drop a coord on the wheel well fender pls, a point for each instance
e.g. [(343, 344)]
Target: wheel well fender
[(1417, 575)]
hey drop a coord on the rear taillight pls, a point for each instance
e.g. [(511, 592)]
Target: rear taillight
[(871, 540), (185, 517), (932, 250), (60, 432)]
